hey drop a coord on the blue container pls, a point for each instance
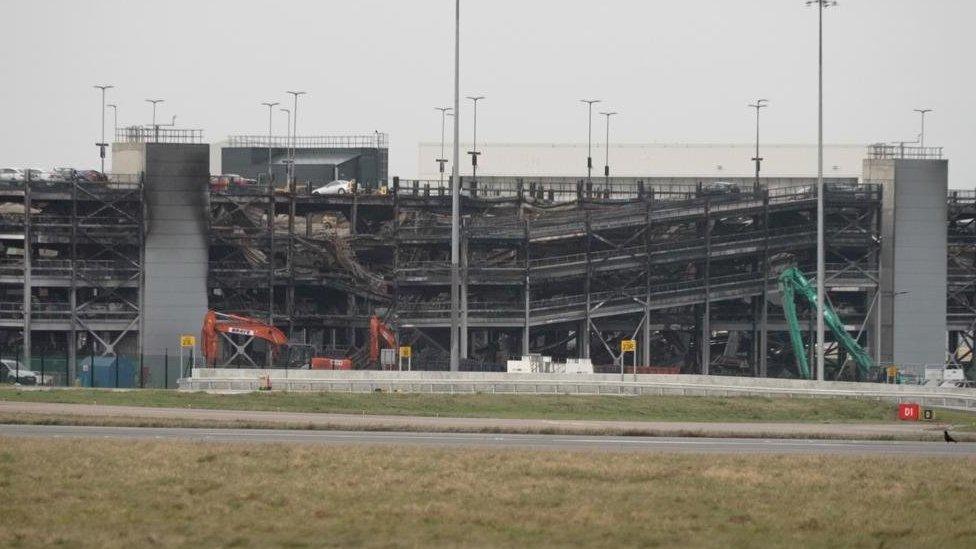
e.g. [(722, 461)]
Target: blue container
[(105, 372)]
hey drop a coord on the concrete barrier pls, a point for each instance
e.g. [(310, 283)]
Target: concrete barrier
[(364, 381)]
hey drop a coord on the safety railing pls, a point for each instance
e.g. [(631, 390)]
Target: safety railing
[(375, 140), (157, 134), (903, 151)]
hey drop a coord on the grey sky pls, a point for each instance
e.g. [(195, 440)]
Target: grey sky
[(676, 70)]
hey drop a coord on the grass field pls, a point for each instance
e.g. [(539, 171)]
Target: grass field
[(656, 408), (125, 494)]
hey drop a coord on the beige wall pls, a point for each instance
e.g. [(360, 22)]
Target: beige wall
[(656, 159)]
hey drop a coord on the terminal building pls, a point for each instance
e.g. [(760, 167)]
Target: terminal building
[(557, 265)]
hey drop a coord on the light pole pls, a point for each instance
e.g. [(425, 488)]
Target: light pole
[(474, 140), (441, 160), (921, 136), (294, 138), (606, 161), (456, 194), (821, 269), (115, 119), (102, 144), (589, 137), (759, 104), (287, 121), (154, 126), (271, 107)]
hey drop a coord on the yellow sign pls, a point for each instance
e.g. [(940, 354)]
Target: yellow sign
[(405, 351), (892, 372), (187, 341), (628, 346)]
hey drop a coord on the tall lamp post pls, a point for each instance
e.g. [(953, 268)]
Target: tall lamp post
[(759, 104), (442, 160), (821, 270), (287, 121), (294, 139), (474, 140), (606, 160), (456, 194), (154, 126), (102, 144), (921, 135), (115, 119), (271, 107), (589, 137)]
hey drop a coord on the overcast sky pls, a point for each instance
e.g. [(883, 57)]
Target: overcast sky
[(678, 70)]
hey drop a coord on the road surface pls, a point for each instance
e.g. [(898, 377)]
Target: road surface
[(498, 441), (906, 430)]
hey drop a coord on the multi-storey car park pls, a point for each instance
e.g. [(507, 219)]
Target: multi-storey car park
[(560, 266)]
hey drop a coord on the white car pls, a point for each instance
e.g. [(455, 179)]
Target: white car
[(38, 175), (11, 174), (339, 186), (12, 371)]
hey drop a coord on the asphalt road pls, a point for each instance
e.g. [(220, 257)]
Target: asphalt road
[(499, 441), (904, 430)]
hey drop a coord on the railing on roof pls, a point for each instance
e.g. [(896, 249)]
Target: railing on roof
[(375, 140), (901, 151), (143, 134)]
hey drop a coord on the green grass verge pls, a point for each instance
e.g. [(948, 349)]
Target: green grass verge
[(83, 493), (650, 408)]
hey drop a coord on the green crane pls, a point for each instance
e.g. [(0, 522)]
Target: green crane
[(791, 282)]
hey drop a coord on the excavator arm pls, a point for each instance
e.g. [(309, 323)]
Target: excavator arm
[(215, 323), (791, 283), (378, 330)]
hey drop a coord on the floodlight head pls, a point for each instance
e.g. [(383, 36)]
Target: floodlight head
[(103, 87), (590, 101), (824, 3), (296, 93), (270, 105), (476, 98), (609, 114)]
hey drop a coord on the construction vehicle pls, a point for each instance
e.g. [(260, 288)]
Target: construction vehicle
[(240, 331), (791, 283), (379, 330)]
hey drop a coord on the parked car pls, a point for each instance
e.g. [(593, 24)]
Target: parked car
[(718, 188), (11, 174), (92, 176), (339, 186), (230, 182), (64, 174), (842, 186), (38, 175), (12, 371)]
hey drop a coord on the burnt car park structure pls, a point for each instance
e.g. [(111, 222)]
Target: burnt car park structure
[(565, 267)]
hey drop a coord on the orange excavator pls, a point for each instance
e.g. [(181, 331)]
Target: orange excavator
[(378, 330), (217, 326)]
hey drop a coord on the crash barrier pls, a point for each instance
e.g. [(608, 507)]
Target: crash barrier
[(363, 381)]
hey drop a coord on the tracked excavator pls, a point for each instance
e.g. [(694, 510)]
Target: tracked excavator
[(219, 327), (224, 327), (791, 283)]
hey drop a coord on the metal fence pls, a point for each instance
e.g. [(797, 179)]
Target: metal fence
[(142, 134), (374, 140), (903, 151), (120, 371)]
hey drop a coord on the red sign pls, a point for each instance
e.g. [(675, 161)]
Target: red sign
[(908, 412)]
